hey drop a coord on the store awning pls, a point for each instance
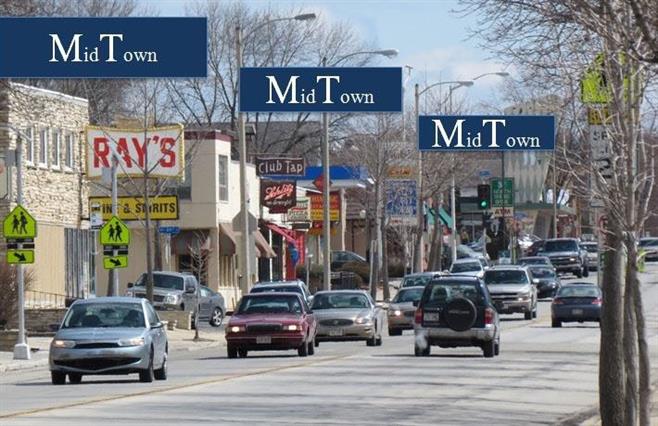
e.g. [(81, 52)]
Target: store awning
[(285, 233), (263, 248), (186, 241), (227, 240)]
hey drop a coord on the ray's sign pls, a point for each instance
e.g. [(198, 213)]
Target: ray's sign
[(486, 133)]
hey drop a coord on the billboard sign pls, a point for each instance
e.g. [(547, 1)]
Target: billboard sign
[(327, 89), (486, 133), (278, 196), (165, 146), (401, 201)]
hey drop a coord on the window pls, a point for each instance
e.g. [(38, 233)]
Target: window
[(222, 182), (152, 315), (57, 149), (184, 189), (43, 147), (29, 145), (68, 154)]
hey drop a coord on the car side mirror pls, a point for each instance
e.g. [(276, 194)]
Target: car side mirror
[(535, 281), (190, 288), (310, 299), (416, 303), (53, 327), (157, 325), (131, 285)]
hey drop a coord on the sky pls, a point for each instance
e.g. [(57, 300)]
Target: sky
[(430, 37)]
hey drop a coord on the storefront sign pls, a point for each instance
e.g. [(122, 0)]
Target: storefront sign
[(163, 207), (334, 207), (165, 145), (340, 89), (300, 212), (278, 196), (280, 166), (486, 133)]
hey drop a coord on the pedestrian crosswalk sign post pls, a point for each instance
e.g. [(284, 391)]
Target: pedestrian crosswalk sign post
[(20, 257), (114, 262), (19, 225), (115, 233)]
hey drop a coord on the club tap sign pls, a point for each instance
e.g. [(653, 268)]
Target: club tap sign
[(163, 146), (486, 133), (103, 47), (368, 89), (280, 166)]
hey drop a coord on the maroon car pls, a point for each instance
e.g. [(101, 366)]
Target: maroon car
[(271, 321)]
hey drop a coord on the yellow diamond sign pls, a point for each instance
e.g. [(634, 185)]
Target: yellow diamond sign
[(115, 233), (19, 224)]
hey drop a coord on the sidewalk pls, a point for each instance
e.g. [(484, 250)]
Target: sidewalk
[(179, 340)]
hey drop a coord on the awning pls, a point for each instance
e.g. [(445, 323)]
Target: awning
[(188, 240), (285, 233), (227, 240), (263, 248)]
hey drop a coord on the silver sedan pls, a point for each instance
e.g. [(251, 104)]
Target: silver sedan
[(401, 311), (345, 315), (109, 335)]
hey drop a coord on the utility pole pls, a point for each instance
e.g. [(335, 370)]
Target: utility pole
[(326, 231), (418, 251), (21, 349), (113, 283)]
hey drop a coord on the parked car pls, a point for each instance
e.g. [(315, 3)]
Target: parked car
[(340, 258), (527, 240), (109, 335), (347, 315), (650, 247), (512, 290), (456, 311), (467, 266), (534, 248), (547, 280), (401, 310), (535, 260), (566, 255), (419, 279), (271, 321), (576, 302), (293, 286), (178, 291), (592, 252)]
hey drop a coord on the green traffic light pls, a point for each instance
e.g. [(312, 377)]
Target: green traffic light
[(483, 204)]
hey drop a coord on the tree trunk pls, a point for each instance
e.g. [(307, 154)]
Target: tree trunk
[(157, 247), (611, 355), (645, 362), (386, 289), (630, 338)]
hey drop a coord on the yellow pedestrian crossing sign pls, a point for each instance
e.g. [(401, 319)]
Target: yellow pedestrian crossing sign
[(115, 233), (20, 257), (19, 224), (113, 262)]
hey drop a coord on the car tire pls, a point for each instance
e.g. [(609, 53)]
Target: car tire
[(579, 273), (489, 349), (242, 353), (146, 376), (161, 373), (527, 315), (497, 348), (316, 342), (75, 378), (216, 317), (57, 377), (231, 352), (556, 323), (379, 341), (372, 341), (585, 271), (303, 350), (311, 347), (420, 351), (534, 312), (394, 332)]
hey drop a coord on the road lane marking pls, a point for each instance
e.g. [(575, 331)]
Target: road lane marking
[(170, 388)]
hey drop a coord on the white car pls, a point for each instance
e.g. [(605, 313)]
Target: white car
[(468, 267)]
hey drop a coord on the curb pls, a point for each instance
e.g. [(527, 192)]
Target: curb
[(20, 365)]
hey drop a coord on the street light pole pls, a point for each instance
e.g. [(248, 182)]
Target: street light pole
[(21, 349)]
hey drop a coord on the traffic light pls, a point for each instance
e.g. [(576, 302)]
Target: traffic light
[(484, 197)]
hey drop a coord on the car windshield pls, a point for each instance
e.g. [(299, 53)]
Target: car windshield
[(443, 292), (542, 273), (169, 282), (271, 304), (106, 315), (591, 248), (466, 267), (408, 295), (420, 280), (561, 245), (340, 301), (649, 243), (277, 289), (505, 277), (532, 261), (579, 291)]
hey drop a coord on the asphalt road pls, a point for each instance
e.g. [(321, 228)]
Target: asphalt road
[(542, 375)]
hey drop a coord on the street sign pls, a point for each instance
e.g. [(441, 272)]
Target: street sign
[(594, 86), (115, 250), (115, 233), (96, 216), (21, 257), (484, 174), (114, 262), (171, 230), (19, 224), (598, 115), (497, 192), (162, 207)]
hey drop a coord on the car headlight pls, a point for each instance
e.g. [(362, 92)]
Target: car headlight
[(572, 259), (292, 327), (395, 313), (362, 320), (137, 341), (171, 299), (235, 329), (64, 343), (524, 296)]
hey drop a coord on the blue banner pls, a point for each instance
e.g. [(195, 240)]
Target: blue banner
[(332, 89), (103, 47), (486, 133)]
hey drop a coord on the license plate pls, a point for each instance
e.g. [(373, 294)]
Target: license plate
[(576, 311), (431, 316), (263, 340), (336, 332)]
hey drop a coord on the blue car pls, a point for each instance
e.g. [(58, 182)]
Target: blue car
[(576, 302)]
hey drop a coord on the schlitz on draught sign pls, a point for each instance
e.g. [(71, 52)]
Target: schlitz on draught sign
[(278, 196)]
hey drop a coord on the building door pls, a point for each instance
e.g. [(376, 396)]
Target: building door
[(77, 249)]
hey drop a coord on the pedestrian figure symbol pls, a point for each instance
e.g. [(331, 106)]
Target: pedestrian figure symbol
[(117, 232), (112, 233), (15, 224), (23, 219)]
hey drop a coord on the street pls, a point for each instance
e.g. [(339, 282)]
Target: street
[(542, 376)]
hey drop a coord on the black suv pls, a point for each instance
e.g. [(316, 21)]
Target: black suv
[(566, 256), (456, 311)]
